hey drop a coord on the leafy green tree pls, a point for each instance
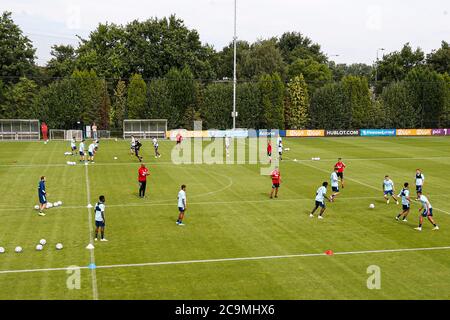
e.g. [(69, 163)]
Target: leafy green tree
[(137, 98), (262, 57), (428, 91), (216, 106), (396, 65), (358, 99), (159, 101), (329, 108), (119, 104), (355, 69), (297, 104), (247, 105), (397, 104), (439, 60), (224, 66), (278, 97), (16, 51), (316, 74), (63, 62), (266, 90), (293, 46), (19, 100)]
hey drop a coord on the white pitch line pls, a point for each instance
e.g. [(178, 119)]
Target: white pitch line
[(92, 255), (165, 263)]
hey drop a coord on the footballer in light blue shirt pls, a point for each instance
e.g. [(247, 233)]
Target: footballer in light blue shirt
[(406, 201), (181, 205), (321, 195), (426, 211), (388, 189)]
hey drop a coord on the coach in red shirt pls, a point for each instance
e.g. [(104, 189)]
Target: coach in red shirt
[(142, 178), (340, 166)]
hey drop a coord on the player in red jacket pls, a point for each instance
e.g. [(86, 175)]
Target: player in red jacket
[(276, 180), (269, 151), (340, 172), (142, 179)]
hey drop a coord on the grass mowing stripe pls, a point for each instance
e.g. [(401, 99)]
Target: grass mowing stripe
[(92, 254), (163, 263)]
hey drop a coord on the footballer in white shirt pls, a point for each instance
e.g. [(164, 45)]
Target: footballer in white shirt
[(334, 183), (181, 205), (388, 189), (321, 195), (426, 211), (406, 202)]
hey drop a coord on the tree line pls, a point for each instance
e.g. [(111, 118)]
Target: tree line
[(158, 68)]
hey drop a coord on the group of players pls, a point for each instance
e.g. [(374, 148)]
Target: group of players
[(136, 147), (91, 150)]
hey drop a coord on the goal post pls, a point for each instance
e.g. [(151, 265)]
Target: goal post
[(144, 128), (59, 134), (19, 129)]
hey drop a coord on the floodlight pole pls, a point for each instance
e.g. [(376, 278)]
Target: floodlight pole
[(234, 69)]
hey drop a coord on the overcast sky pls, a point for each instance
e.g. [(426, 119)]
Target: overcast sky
[(352, 29)]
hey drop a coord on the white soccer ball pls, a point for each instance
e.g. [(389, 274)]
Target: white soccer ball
[(59, 246), (59, 203), (56, 204), (39, 247), (2, 250), (115, 158), (371, 206), (43, 241), (49, 205), (36, 207), (18, 249)]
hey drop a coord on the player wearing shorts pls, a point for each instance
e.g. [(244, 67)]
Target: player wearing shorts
[(420, 180), (91, 152), (280, 150), (388, 189), (156, 146), (181, 205), (73, 145), (269, 151), (426, 211), (179, 138), (100, 221), (133, 143), (42, 194), (321, 195), (137, 148), (82, 154), (276, 180), (406, 202), (341, 167), (334, 184)]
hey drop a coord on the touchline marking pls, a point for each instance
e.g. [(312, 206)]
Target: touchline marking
[(165, 263), (91, 231)]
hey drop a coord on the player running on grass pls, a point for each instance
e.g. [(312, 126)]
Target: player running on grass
[(137, 148), (276, 180), (82, 152), (100, 221), (406, 201), (156, 146), (427, 212), (321, 195), (388, 189), (133, 143), (420, 180), (334, 184), (73, 145), (42, 196), (181, 205), (341, 167)]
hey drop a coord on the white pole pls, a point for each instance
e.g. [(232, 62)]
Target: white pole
[(234, 70)]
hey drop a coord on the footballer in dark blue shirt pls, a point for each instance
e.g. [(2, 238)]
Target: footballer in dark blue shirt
[(42, 196)]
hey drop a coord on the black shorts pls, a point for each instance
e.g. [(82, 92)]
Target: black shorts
[(429, 214), (269, 154), (275, 185), (418, 188), (320, 204), (99, 224), (335, 189), (405, 207), (340, 175)]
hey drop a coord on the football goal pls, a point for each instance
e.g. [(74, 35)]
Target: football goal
[(58, 134), (17, 129), (144, 128)]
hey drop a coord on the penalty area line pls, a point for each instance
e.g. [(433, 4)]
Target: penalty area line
[(185, 262)]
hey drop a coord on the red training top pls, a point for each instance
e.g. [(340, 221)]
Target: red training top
[(340, 166), (276, 176), (143, 174), (269, 148)]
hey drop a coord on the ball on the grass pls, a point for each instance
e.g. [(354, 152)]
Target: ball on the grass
[(60, 203), (18, 249), (36, 207), (59, 246), (42, 241), (2, 250), (56, 204), (49, 205), (115, 158), (371, 206), (39, 247)]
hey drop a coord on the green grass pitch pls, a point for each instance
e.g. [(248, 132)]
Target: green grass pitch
[(229, 216)]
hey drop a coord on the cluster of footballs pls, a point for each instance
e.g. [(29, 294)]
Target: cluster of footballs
[(39, 247), (50, 205)]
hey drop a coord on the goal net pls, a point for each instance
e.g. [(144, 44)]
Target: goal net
[(17, 129), (58, 134), (144, 128)]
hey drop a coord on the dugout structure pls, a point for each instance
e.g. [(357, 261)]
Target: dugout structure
[(19, 129), (144, 128)]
